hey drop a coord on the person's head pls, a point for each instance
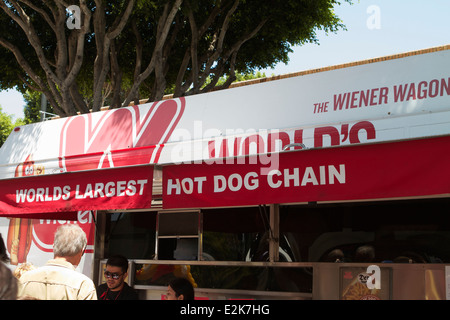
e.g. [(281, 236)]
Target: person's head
[(70, 242), (8, 283), (336, 255), (365, 253), (115, 272), (180, 289), (3, 254)]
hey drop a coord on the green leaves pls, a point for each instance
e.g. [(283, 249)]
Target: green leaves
[(7, 125)]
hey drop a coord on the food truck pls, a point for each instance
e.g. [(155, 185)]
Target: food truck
[(250, 191)]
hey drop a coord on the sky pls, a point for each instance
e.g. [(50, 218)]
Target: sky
[(375, 28)]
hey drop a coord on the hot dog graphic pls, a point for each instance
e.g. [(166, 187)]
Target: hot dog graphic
[(20, 230)]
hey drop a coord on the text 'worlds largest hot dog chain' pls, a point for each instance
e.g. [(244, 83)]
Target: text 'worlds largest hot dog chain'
[(89, 190), (108, 188), (286, 178)]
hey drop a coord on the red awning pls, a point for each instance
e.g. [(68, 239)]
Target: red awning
[(61, 195), (412, 168)]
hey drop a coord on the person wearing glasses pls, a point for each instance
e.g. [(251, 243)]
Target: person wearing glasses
[(115, 287), (58, 279)]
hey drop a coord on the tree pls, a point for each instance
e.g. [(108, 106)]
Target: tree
[(32, 106), (7, 125), (115, 52), (32, 109)]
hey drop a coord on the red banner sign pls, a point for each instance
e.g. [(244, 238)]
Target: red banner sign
[(119, 188), (361, 172)]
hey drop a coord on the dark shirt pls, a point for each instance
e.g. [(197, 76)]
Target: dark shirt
[(127, 293)]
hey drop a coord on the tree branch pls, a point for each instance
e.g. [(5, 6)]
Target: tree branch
[(116, 77), (103, 43), (233, 51), (42, 13), (24, 21), (164, 25)]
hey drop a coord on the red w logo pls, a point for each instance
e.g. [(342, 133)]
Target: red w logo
[(119, 137)]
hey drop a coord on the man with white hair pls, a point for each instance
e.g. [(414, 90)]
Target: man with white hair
[(58, 280)]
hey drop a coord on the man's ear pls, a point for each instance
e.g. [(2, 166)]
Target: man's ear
[(181, 297)]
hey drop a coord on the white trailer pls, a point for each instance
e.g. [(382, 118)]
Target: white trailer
[(246, 190)]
